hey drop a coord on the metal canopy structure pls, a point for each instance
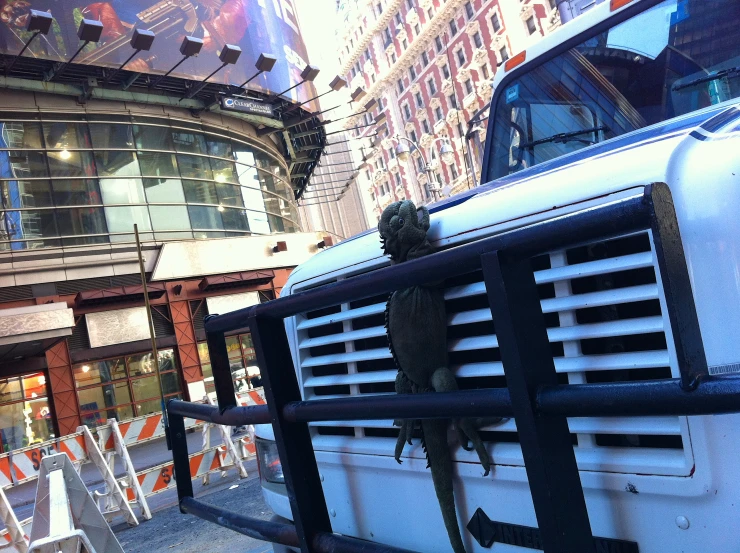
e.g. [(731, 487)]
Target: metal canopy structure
[(533, 394), (302, 143)]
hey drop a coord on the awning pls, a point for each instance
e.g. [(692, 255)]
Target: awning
[(121, 294), (29, 331), (236, 279)]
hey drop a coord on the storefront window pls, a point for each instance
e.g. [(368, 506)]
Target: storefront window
[(130, 387), (25, 418), (242, 360)]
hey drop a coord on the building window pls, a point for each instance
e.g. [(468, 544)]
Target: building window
[(504, 54), (25, 411), (393, 57), (460, 57), (424, 58), (453, 27), (430, 13), (398, 179), (410, 4), (446, 71), (469, 11), (438, 113), (406, 112), (468, 86), (452, 100), (412, 136), (417, 29), (477, 40), (553, 3), (419, 100), (412, 73), (420, 164), (425, 126), (484, 71), (367, 174), (496, 23), (438, 46), (125, 387), (242, 360), (399, 21), (531, 27), (405, 44), (367, 55), (379, 8), (453, 172), (432, 86), (400, 86), (387, 37), (460, 132)]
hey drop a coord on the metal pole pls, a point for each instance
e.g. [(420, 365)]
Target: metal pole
[(149, 319)]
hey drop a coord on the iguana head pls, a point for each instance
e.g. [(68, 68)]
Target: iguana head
[(402, 234)]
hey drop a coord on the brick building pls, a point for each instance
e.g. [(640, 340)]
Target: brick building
[(429, 65)]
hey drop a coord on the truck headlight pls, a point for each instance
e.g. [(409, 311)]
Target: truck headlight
[(268, 461)]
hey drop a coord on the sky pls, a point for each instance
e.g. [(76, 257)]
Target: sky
[(319, 21)]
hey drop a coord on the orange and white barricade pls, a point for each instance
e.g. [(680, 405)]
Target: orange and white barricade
[(228, 449), (251, 397)]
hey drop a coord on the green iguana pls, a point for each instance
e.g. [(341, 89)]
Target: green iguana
[(416, 324)]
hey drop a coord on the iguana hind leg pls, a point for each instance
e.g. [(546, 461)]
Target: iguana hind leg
[(444, 381), (403, 386)]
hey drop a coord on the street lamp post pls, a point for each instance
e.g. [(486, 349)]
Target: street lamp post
[(445, 152)]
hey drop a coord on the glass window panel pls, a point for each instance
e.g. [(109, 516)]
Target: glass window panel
[(173, 235), (100, 397), (224, 171), (29, 193), (229, 194), (192, 143), (59, 134), (143, 363), (170, 383), (200, 192), (278, 224), (96, 372), (17, 134), (233, 349), (153, 138), (248, 176), (164, 190), (169, 217), (76, 192), (10, 389), (257, 219), (20, 164), (208, 234), (194, 167), (145, 388), (115, 163), (12, 427), (34, 385), (235, 219), (122, 191), (41, 427), (220, 147), (122, 219), (36, 224), (72, 222), (203, 353), (158, 164), (153, 405), (202, 217), (71, 164), (111, 135), (100, 418)]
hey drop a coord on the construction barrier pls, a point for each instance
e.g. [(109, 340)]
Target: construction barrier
[(114, 439), (64, 517)]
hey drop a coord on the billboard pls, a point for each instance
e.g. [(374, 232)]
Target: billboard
[(255, 26)]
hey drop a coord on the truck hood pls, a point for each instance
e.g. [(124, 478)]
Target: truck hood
[(628, 161)]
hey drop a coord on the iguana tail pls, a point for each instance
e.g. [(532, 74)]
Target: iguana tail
[(440, 462)]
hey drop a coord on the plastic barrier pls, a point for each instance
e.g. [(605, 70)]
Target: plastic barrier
[(64, 516)]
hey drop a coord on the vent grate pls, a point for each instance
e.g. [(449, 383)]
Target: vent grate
[(79, 339), (606, 323), (15, 293), (162, 321)]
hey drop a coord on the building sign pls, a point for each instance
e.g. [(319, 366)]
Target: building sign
[(116, 327), (218, 305), (246, 106), (256, 26)]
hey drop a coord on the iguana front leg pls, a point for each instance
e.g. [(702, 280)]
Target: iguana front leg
[(444, 381), (403, 386)]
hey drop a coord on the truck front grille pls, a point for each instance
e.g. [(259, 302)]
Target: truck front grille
[(606, 320)]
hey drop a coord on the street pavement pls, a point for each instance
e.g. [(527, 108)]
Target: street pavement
[(169, 531)]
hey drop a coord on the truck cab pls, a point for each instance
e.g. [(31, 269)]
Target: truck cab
[(629, 94)]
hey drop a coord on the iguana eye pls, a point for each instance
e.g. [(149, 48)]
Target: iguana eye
[(400, 221)]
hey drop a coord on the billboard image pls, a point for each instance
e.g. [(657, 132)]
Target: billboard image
[(256, 26)]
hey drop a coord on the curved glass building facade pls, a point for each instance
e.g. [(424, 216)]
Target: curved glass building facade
[(72, 179)]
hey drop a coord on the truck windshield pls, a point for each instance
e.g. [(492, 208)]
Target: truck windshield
[(675, 58)]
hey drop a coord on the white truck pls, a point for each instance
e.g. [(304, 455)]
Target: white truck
[(630, 93)]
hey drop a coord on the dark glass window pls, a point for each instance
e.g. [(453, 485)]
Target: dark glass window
[(66, 136), (111, 135), (194, 167), (76, 192), (158, 164), (115, 163), (235, 219), (29, 193), (153, 138), (67, 163), (192, 143), (76, 221), (496, 23), (202, 217)]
